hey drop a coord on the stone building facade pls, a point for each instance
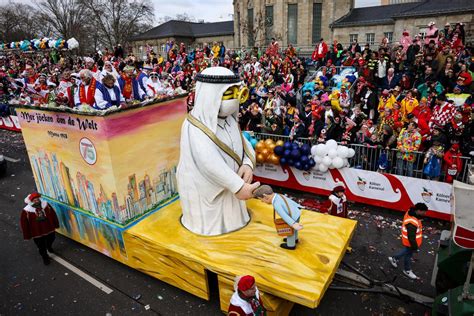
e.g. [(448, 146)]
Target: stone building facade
[(372, 24), (298, 22)]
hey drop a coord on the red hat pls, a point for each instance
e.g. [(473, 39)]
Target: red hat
[(245, 283), (339, 188), (33, 196)]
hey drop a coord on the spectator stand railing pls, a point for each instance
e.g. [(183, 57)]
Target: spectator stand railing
[(368, 158)]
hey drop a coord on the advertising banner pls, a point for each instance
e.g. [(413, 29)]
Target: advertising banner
[(368, 187)]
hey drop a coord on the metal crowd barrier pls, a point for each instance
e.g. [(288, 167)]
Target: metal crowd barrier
[(367, 158)]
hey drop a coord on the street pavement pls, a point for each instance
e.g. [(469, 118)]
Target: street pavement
[(27, 287)]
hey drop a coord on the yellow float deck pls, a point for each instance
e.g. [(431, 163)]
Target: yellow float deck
[(161, 247)]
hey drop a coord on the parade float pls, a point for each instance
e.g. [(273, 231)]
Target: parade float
[(111, 177)]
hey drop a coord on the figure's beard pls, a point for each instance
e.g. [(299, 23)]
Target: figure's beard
[(228, 107)]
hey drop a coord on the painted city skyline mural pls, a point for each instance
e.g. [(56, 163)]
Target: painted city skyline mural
[(54, 179)]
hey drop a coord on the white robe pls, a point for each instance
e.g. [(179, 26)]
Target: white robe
[(207, 176)]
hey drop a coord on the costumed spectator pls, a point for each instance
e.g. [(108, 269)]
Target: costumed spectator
[(319, 53), (129, 85), (412, 237), (91, 65), (408, 142), (337, 202), (408, 104), (286, 208), (431, 33), (153, 85), (452, 163), (443, 112), (108, 94), (433, 161), (85, 94), (39, 222), (246, 300)]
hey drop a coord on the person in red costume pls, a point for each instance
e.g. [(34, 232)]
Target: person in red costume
[(452, 163), (246, 300), (39, 221), (422, 114), (337, 202)]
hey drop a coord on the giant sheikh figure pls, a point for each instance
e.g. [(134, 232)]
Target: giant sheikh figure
[(216, 163)]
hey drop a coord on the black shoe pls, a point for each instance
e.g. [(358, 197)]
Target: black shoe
[(285, 246), (297, 240), (46, 260)]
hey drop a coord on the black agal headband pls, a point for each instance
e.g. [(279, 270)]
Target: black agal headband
[(217, 79)]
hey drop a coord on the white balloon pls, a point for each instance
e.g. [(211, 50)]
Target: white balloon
[(346, 162), (314, 149), (322, 151), (342, 151), (332, 153), (326, 161), (338, 162), (351, 153), (318, 159), (323, 168), (331, 144)]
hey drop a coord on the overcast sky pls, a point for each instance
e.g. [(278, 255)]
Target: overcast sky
[(208, 10)]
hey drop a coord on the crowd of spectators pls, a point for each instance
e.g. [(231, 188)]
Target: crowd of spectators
[(415, 95), (411, 95)]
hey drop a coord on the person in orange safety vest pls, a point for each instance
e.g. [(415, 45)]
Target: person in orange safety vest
[(412, 236)]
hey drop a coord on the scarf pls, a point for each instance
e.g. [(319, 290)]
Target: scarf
[(127, 87), (90, 98)]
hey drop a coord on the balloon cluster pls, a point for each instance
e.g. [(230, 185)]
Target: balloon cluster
[(43, 43), (331, 155), (293, 154), (265, 151)]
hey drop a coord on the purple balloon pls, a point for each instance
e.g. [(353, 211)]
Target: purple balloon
[(287, 153), (287, 145), (279, 150), (298, 165), (295, 154), (305, 149), (283, 161), (291, 162), (304, 159)]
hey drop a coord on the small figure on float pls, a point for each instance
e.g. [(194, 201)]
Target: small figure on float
[(336, 204), (215, 169), (246, 299), (289, 212)]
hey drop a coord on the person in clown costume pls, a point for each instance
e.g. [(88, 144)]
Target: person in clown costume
[(215, 169)]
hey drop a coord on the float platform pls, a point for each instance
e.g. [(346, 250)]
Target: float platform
[(161, 247)]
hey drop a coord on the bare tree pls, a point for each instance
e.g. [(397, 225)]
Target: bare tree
[(178, 17), (116, 21), (19, 22), (255, 29), (68, 18)]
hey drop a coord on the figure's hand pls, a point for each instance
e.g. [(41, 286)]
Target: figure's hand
[(246, 192), (246, 173), (297, 226)]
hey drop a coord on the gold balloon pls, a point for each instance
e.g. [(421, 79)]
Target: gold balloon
[(269, 142), (271, 147), (280, 143), (274, 159), (265, 152), (260, 158), (260, 146)]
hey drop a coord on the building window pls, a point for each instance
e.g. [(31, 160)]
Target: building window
[(250, 33), (293, 23), (317, 13), (268, 24), (353, 37), (389, 36), (370, 38)]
